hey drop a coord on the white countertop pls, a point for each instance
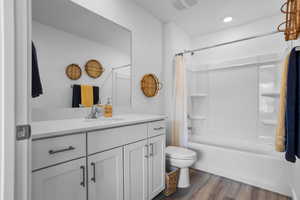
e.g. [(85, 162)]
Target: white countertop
[(51, 128)]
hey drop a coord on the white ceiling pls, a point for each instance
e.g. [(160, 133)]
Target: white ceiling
[(207, 16)]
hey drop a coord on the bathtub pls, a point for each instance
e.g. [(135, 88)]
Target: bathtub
[(250, 162)]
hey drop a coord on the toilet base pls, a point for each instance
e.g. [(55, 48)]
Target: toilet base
[(184, 178)]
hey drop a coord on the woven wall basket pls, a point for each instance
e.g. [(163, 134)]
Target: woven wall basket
[(94, 68), (73, 71), (150, 85), (291, 25)]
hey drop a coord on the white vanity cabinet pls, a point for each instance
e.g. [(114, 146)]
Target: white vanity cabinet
[(61, 182), (144, 168), (118, 163), (47, 152), (106, 175), (156, 165), (136, 171)]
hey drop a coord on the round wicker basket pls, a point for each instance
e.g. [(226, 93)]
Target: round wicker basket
[(73, 71), (94, 68), (150, 85)]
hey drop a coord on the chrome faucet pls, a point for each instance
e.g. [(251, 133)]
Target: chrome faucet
[(95, 112)]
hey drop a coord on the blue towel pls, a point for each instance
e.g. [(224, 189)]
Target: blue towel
[(36, 84), (96, 95), (76, 98), (292, 108)]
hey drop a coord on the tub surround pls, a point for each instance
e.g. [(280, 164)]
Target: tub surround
[(52, 128), (253, 168)]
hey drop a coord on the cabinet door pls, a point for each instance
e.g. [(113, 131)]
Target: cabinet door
[(156, 165), (136, 171), (62, 182), (106, 175)]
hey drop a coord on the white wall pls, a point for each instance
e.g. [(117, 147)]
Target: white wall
[(175, 41), (296, 181), (147, 36), (122, 89), (56, 50), (264, 45)]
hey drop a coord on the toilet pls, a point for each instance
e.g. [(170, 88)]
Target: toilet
[(181, 158)]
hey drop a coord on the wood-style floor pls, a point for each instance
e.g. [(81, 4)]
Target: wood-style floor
[(206, 186)]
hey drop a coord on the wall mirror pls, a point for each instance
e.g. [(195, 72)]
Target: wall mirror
[(65, 33)]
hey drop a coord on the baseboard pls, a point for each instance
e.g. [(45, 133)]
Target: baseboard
[(294, 195), (246, 180)]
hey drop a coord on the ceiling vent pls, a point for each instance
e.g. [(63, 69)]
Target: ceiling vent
[(184, 4)]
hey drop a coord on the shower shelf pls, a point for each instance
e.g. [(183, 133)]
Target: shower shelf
[(271, 94), (199, 95), (197, 117), (269, 122)]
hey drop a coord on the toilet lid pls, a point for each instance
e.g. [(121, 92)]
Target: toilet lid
[(180, 153)]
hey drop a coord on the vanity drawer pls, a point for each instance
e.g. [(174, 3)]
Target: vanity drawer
[(157, 128), (110, 138), (51, 151)]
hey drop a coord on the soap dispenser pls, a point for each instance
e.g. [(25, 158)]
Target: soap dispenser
[(108, 108)]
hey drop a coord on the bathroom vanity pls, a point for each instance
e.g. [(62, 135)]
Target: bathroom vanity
[(69, 157), (112, 159)]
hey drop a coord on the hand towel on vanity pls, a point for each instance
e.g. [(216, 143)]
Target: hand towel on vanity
[(36, 84), (87, 95), (76, 98), (292, 118), (280, 131)]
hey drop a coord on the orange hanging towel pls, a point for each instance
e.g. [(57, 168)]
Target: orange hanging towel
[(280, 131), (87, 95)]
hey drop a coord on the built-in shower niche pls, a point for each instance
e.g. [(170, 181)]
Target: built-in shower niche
[(269, 84), (198, 96)]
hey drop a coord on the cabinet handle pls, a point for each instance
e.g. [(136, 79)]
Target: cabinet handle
[(82, 183), (94, 172), (70, 148), (147, 154), (151, 149), (159, 128)]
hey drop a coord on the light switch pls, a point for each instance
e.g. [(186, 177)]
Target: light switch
[(23, 132)]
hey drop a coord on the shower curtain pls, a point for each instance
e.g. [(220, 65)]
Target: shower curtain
[(179, 105)]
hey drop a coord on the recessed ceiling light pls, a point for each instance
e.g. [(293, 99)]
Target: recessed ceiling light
[(227, 19)]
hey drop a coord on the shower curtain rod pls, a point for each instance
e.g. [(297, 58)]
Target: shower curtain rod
[(225, 43)]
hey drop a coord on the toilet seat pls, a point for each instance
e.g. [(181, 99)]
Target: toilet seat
[(180, 153)]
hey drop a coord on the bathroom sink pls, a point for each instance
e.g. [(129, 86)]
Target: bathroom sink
[(104, 119)]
